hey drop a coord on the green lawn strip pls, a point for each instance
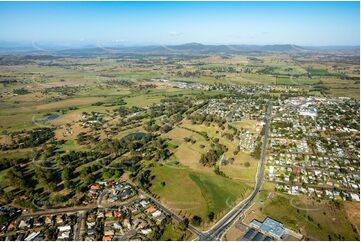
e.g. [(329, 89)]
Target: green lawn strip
[(219, 192)]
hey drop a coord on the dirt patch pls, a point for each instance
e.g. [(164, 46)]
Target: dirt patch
[(69, 133), (353, 213), (178, 134)]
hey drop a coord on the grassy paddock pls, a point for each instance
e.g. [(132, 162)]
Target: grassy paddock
[(198, 194)]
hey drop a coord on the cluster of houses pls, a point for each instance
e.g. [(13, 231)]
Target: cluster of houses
[(89, 119), (135, 221), (189, 85), (10, 213), (109, 192), (234, 109), (37, 228), (248, 90), (247, 140), (314, 147)]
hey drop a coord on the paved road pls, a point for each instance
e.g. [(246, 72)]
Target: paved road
[(78, 226), (75, 209), (216, 232)]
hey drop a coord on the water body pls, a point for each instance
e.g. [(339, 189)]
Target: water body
[(48, 119), (134, 136)]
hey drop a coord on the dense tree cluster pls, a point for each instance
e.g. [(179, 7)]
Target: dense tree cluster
[(211, 157), (30, 138)]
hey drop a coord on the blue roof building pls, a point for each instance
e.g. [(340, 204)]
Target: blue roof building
[(269, 227)]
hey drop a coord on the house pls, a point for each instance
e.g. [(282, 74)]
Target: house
[(144, 203), (90, 238), (136, 222), (90, 225), (24, 224), (107, 238), (146, 231), (139, 223), (118, 186), (109, 232), (64, 236), (161, 217), (156, 213), (64, 228), (126, 223), (38, 222), (20, 237), (32, 236), (59, 219), (126, 193), (109, 214), (100, 215), (116, 225), (95, 187), (117, 214), (151, 209)]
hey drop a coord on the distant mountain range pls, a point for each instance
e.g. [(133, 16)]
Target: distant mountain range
[(189, 48)]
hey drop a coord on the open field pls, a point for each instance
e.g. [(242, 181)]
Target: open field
[(297, 81), (246, 124), (200, 193)]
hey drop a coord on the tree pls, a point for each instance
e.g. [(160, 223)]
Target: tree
[(196, 220), (16, 178), (4, 218), (65, 176), (211, 157), (183, 225), (211, 216)]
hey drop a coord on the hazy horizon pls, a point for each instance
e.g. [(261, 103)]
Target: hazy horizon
[(81, 44), (174, 23)]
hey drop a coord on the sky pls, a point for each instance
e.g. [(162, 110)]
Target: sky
[(147, 23)]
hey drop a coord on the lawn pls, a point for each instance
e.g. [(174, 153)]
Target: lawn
[(173, 233), (142, 100), (70, 145), (140, 75), (198, 194), (238, 171), (297, 81), (318, 72), (189, 154), (220, 193), (246, 124), (180, 192)]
